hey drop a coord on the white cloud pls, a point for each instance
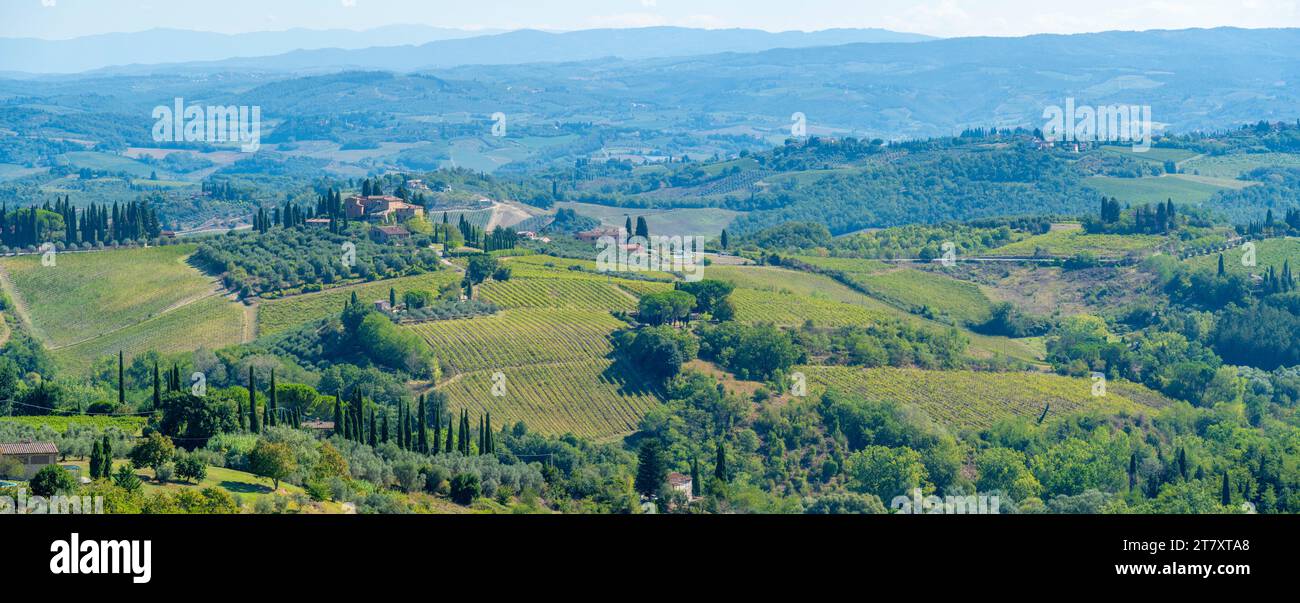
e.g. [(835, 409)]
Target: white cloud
[(627, 20)]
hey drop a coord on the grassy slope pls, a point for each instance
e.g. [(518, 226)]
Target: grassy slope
[(1269, 252), (968, 399), (1072, 242), (89, 294), (278, 315), (789, 297), (1157, 189), (707, 222), (94, 304)]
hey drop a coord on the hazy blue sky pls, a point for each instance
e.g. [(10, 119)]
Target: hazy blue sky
[(70, 18)]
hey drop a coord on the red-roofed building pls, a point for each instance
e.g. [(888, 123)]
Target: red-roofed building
[(389, 234), (681, 483), (380, 207), (32, 455)]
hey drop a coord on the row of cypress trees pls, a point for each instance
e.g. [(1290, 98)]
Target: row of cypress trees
[(412, 429)]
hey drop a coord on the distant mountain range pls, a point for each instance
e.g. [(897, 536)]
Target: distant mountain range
[(396, 48), (1195, 79), (156, 46)]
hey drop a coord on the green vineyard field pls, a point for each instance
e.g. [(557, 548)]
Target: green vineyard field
[(60, 423), (519, 337), (212, 322), (557, 293), (584, 397), (86, 295)]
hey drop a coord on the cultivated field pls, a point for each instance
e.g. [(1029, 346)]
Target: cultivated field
[(707, 222), (1158, 189), (86, 295), (585, 397), (212, 322), (1074, 242), (61, 423), (911, 289), (94, 304), (1232, 166), (519, 337), (557, 293), (1273, 253)]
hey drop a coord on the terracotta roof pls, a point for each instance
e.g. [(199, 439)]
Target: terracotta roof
[(393, 230), (29, 448), (318, 424), (678, 479)]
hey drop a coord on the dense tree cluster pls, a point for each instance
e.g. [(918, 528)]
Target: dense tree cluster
[(302, 259)]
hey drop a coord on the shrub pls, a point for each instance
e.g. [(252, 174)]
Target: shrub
[(191, 467), (464, 488), (52, 480)]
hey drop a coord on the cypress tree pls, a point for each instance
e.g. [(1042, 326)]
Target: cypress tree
[(1222, 270), (106, 456), (254, 423), (383, 434), (720, 466), (95, 460), (157, 387), (404, 428), (451, 432), (651, 469), (487, 434), (338, 417), (465, 448), (695, 465), (356, 418), (423, 442), (1182, 463), (121, 379), (275, 407), (1226, 496), (373, 439), (437, 426), (1132, 471)]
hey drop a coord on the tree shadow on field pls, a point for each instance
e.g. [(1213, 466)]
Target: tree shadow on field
[(244, 488), (631, 380)]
